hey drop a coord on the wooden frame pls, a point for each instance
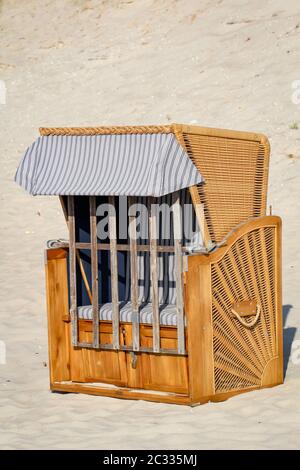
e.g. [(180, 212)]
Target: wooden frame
[(133, 248), (213, 355)]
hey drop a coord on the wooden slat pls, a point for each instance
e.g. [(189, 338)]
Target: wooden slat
[(153, 273), (57, 308), (94, 259), (122, 392), (199, 330), (114, 271), (110, 347), (134, 279), (178, 269), (72, 265), (125, 247)]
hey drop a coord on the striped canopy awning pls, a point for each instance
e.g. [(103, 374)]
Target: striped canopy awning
[(121, 165)]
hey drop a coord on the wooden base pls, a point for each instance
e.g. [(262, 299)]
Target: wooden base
[(103, 389), (124, 393)]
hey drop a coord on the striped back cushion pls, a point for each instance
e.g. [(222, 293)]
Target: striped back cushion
[(166, 261)]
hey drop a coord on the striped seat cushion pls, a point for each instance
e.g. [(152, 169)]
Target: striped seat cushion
[(168, 313)]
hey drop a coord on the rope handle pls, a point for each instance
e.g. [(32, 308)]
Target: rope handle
[(243, 322)]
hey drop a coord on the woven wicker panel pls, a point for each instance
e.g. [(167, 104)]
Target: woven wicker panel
[(235, 172), (246, 272)]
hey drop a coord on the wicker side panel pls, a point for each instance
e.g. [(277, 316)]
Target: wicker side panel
[(235, 172), (246, 272)]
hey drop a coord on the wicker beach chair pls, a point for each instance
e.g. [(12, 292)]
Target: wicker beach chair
[(185, 318)]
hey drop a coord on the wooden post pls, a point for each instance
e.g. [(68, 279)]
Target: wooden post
[(72, 265), (178, 267), (94, 260), (114, 271), (199, 329), (57, 308), (134, 279), (153, 273)]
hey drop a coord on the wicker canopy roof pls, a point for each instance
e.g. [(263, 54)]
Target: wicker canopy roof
[(111, 161)]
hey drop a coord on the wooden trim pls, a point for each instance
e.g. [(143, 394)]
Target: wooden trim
[(278, 297), (134, 394), (94, 266), (264, 272), (114, 270), (72, 265), (236, 234), (226, 133), (122, 392), (199, 328), (150, 129), (56, 253), (154, 129)]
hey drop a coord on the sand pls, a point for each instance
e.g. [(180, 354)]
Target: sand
[(228, 64)]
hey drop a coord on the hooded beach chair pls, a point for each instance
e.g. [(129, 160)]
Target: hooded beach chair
[(169, 287)]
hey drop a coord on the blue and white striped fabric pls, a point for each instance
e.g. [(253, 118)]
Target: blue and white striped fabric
[(168, 313), (130, 164)]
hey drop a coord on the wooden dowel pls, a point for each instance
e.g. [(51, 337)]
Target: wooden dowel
[(125, 247), (72, 266), (153, 274), (199, 211), (134, 278), (178, 269), (84, 277), (110, 347), (114, 271), (94, 259)]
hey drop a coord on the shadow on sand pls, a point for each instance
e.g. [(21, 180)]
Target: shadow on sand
[(288, 337)]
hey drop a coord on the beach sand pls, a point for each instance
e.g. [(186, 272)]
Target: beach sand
[(228, 64)]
